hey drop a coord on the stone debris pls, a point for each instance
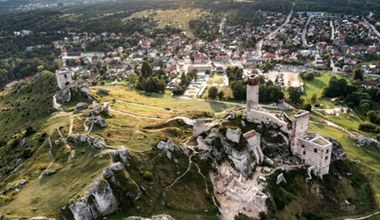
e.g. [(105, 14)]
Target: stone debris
[(98, 120), (155, 217), (48, 172), (168, 147), (233, 135), (41, 218), (237, 194), (121, 155), (97, 108), (106, 109), (280, 179), (103, 92), (199, 127), (365, 141), (95, 142), (81, 106)]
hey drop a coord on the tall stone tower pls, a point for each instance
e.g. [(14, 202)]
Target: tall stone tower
[(64, 78), (300, 128), (253, 91)]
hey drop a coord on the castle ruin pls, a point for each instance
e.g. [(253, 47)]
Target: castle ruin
[(253, 92), (314, 150), (64, 78)]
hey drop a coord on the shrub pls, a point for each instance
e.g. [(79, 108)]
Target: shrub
[(147, 175), (368, 127)]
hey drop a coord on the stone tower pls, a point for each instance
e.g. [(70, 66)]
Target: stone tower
[(253, 91), (64, 78), (300, 127)]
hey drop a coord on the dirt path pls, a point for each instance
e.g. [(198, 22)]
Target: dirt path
[(184, 173)]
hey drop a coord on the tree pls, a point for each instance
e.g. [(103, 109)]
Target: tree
[(295, 95), (268, 66), (132, 78), (358, 73), (146, 69), (239, 90), (212, 92), (220, 95), (313, 98)]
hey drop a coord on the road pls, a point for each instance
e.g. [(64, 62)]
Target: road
[(259, 44), (373, 28), (304, 41), (332, 30)]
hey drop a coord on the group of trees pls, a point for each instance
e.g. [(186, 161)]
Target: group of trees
[(309, 76), (238, 86), (364, 100), (206, 27), (268, 91), (149, 81), (214, 93), (185, 82)]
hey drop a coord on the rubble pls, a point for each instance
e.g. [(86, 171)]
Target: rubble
[(233, 135), (97, 108), (280, 179), (81, 106), (95, 142), (237, 194), (103, 92), (365, 141), (48, 172), (98, 120), (168, 147), (199, 127)]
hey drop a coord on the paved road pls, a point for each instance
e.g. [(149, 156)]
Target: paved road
[(373, 28), (304, 40), (332, 30), (259, 44)]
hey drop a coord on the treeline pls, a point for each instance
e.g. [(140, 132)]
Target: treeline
[(362, 7), (19, 68), (365, 101)]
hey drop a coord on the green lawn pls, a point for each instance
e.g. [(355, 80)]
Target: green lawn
[(317, 85)]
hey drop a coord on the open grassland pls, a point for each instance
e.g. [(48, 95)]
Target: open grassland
[(132, 114), (178, 18), (317, 85)]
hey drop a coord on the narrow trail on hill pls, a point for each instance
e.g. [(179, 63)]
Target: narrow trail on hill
[(184, 173)]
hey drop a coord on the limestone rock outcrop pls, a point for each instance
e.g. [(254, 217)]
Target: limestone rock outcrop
[(95, 142), (105, 194)]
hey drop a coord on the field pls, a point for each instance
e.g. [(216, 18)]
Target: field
[(176, 17), (134, 123), (316, 86), (369, 158)]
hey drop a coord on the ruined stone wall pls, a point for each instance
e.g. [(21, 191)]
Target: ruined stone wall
[(316, 155), (64, 78), (266, 118), (253, 91), (300, 128)]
